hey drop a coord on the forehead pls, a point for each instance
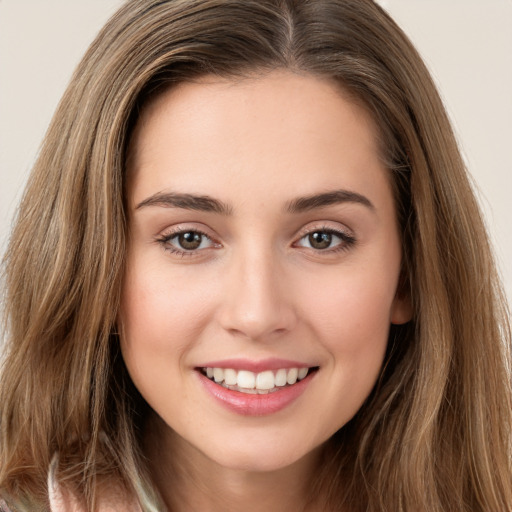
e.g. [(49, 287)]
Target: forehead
[(215, 132)]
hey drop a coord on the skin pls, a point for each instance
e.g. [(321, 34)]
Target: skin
[(255, 288)]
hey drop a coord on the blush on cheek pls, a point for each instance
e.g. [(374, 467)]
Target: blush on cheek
[(350, 313)]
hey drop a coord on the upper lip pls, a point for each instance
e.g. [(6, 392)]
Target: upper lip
[(255, 366)]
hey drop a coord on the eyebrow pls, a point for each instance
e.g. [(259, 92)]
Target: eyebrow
[(303, 204), (209, 204), (186, 201)]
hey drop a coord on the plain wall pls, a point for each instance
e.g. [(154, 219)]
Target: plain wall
[(467, 44)]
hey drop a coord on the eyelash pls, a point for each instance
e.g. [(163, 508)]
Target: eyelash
[(164, 240), (346, 241)]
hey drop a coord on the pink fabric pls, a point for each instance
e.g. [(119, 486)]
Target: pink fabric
[(4, 507)]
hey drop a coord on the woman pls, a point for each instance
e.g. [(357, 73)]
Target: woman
[(249, 272)]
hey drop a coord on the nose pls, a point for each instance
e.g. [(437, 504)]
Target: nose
[(257, 301)]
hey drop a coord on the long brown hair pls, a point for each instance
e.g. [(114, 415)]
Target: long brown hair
[(435, 433)]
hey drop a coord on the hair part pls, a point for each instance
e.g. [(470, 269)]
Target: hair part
[(435, 433)]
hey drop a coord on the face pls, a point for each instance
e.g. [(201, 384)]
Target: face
[(262, 267)]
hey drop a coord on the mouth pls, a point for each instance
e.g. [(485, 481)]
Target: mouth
[(256, 383)]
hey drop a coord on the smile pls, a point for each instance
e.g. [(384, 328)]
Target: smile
[(268, 389), (261, 383)]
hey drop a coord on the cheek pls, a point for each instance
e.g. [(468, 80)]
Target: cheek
[(352, 325), (351, 320), (161, 317), (352, 309), (161, 308)]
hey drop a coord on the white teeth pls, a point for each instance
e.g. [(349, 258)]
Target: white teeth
[(265, 380), (280, 378), (250, 382), (246, 379), (230, 377), (302, 373), (291, 378), (218, 374)]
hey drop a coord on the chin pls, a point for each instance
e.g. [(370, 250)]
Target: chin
[(259, 457)]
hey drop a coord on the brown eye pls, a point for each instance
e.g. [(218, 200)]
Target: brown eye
[(190, 240), (320, 240), (186, 242), (326, 240)]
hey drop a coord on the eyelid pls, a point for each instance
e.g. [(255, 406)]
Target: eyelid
[(325, 226), (168, 234), (346, 236)]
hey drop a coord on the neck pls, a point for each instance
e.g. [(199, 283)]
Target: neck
[(189, 481)]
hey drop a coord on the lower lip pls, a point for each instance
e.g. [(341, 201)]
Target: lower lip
[(247, 404)]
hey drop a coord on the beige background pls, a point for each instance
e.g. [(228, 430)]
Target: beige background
[(466, 43)]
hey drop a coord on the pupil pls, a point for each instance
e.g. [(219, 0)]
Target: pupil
[(190, 240), (320, 240)]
